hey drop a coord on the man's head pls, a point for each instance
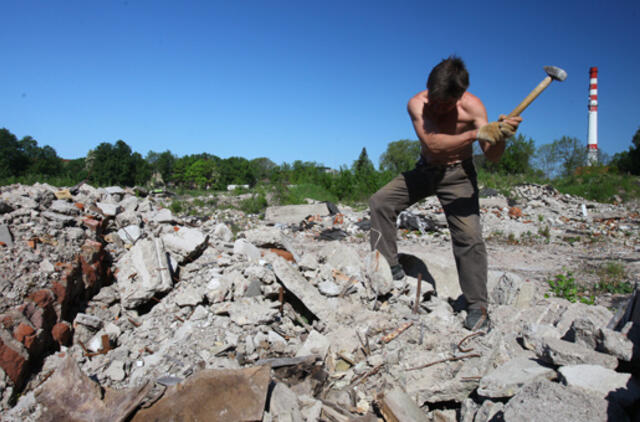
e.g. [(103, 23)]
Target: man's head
[(447, 82)]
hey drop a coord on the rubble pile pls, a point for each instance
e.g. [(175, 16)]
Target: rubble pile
[(113, 308)]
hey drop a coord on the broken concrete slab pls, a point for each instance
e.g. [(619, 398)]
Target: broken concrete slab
[(511, 289), (213, 395), (379, 273), (560, 352), (507, 379), (64, 207), (396, 405), (5, 235), (294, 214), (294, 282), (544, 401), (186, 243), (606, 383), (142, 273), (315, 344), (69, 395), (130, 234), (108, 209), (249, 311), (615, 343), (244, 248), (223, 232), (284, 404)]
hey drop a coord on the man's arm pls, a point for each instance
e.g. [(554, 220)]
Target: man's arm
[(494, 152), (436, 142)]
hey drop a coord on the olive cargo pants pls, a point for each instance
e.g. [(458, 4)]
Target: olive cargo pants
[(457, 190)]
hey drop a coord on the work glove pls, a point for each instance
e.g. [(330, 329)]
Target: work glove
[(491, 133), (507, 129), (495, 132)]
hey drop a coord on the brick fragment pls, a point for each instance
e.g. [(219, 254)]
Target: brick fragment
[(14, 359), (22, 331), (61, 333)]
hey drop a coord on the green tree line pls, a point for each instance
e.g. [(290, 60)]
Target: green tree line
[(116, 164)]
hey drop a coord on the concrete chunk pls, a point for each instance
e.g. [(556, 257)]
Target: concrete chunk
[(142, 272), (507, 379), (560, 352), (398, 406), (302, 289), (187, 243), (294, 214), (605, 383), (544, 401)]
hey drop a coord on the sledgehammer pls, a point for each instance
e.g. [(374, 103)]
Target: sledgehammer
[(553, 73)]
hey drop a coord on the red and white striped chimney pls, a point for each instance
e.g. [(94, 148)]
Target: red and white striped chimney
[(592, 152)]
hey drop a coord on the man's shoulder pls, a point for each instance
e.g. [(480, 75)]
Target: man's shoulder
[(416, 103), (471, 104)]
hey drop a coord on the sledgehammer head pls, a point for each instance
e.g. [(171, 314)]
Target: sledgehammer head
[(556, 73)]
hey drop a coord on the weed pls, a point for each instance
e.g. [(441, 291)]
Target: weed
[(612, 275), (540, 218), (565, 286), (176, 207), (571, 239), (544, 232), (254, 205)]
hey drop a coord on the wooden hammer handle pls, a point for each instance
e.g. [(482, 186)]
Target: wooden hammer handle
[(532, 96)]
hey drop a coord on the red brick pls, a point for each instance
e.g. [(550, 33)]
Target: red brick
[(43, 298), (515, 212), (7, 321), (61, 332), (14, 360), (23, 330), (91, 223), (281, 252)]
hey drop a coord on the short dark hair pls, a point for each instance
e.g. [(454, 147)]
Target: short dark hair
[(449, 79)]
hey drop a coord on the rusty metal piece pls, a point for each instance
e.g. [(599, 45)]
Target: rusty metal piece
[(46, 377), (365, 345), (374, 371), (134, 322), (416, 305), (389, 337), (178, 318), (451, 359), (471, 378), (477, 333)]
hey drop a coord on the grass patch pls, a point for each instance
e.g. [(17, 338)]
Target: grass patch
[(600, 186)]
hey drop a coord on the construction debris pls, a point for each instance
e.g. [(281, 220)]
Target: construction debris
[(294, 318)]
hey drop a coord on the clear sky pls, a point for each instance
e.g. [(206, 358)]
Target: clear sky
[(302, 80)]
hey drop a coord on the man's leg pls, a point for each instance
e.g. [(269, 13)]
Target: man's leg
[(389, 201), (458, 194)]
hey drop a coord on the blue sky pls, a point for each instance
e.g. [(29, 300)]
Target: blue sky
[(311, 81)]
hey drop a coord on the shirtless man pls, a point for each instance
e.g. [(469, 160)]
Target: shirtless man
[(447, 120)]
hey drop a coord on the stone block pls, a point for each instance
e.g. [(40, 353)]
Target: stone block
[(507, 379), (560, 352), (605, 383)]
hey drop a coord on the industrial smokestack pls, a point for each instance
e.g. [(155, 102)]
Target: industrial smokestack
[(592, 144)]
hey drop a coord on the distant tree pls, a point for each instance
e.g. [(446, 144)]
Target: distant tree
[(343, 183), (162, 163), (629, 161), (400, 156), (516, 158), (109, 164), (366, 177), (262, 168), (562, 157), (201, 174), (13, 159)]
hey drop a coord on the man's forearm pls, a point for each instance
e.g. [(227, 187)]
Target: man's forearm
[(440, 143)]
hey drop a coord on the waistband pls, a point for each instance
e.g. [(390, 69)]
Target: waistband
[(424, 162)]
